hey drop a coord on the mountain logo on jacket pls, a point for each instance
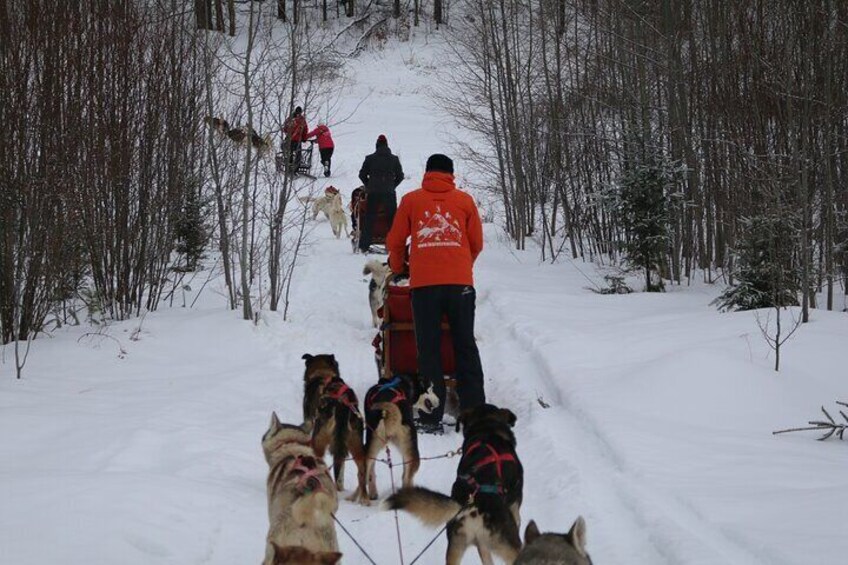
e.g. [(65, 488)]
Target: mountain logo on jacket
[(439, 230)]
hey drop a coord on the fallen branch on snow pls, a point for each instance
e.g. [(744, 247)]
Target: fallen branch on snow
[(830, 427)]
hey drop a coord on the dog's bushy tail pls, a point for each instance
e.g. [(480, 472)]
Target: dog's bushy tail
[(432, 508)]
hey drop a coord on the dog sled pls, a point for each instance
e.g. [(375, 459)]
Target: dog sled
[(380, 229), (304, 165), (395, 348)]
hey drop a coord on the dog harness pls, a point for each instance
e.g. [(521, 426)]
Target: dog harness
[(393, 385), (305, 476), (340, 392), (493, 458)]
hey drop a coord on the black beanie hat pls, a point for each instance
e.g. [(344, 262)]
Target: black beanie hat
[(298, 111), (439, 162)]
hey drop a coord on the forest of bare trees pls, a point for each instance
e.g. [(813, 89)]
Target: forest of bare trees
[(99, 158), (742, 106), (682, 138), (113, 182)]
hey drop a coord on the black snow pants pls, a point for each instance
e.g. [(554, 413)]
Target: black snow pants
[(457, 302), (375, 200)]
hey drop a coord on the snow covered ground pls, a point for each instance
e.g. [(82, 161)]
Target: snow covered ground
[(650, 415)]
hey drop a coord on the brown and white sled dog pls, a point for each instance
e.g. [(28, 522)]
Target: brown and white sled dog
[(555, 549), (301, 495), (339, 428), (379, 275), (390, 407), (483, 508), (319, 370)]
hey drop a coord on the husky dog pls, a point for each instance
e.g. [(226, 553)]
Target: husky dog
[(218, 124), (339, 427), (325, 202), (483, 508), (296, 555), (379, 275), (262, 144), (338, 217), (389, 411), (301, 495), (555, 549), (319, 371)]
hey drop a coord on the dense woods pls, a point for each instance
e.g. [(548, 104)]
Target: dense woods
[(681, 138), (98, 161), (745, 100)]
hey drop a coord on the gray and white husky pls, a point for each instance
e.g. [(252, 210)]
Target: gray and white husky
[(301, 495), (555, 549)]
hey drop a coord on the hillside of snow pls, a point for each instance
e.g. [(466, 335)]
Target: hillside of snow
[(649, 414)]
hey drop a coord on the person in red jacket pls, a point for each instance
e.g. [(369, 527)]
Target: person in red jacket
[(325, 145), (446, 238), (294, 130)]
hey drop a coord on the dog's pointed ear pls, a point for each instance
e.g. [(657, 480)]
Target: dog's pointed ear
[(307, 357), (531, 532), (577, 536), (331, 557), (275, 422), (508, 416)]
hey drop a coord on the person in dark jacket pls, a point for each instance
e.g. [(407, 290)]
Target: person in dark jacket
[(381, 173)]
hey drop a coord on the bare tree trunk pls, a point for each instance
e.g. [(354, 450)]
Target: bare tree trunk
[(219, 15), (247, 308)]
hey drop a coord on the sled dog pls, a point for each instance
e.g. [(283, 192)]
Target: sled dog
[(301, 495), (379, 275), (555, 549), (389, 418), (324, 203), (483, 508), (337, 217), (339, 427), (319, 370), (218, 124)]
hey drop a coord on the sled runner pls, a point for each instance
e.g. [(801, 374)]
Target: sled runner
[(380, 229), (304, 166), (395, 344)]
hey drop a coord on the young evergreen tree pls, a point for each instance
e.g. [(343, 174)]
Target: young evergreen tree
[(191, 231), (766, 270), (642, 208)]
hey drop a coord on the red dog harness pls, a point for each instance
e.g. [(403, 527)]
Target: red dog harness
[(340, 392), (493, 458), (305, 475), (393, 385)]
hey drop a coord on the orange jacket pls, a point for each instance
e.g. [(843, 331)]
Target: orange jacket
[(446, 232)]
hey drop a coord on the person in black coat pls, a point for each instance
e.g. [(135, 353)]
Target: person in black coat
[(380, 174)]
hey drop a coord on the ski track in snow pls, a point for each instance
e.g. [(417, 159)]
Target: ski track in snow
[(654, 521)]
